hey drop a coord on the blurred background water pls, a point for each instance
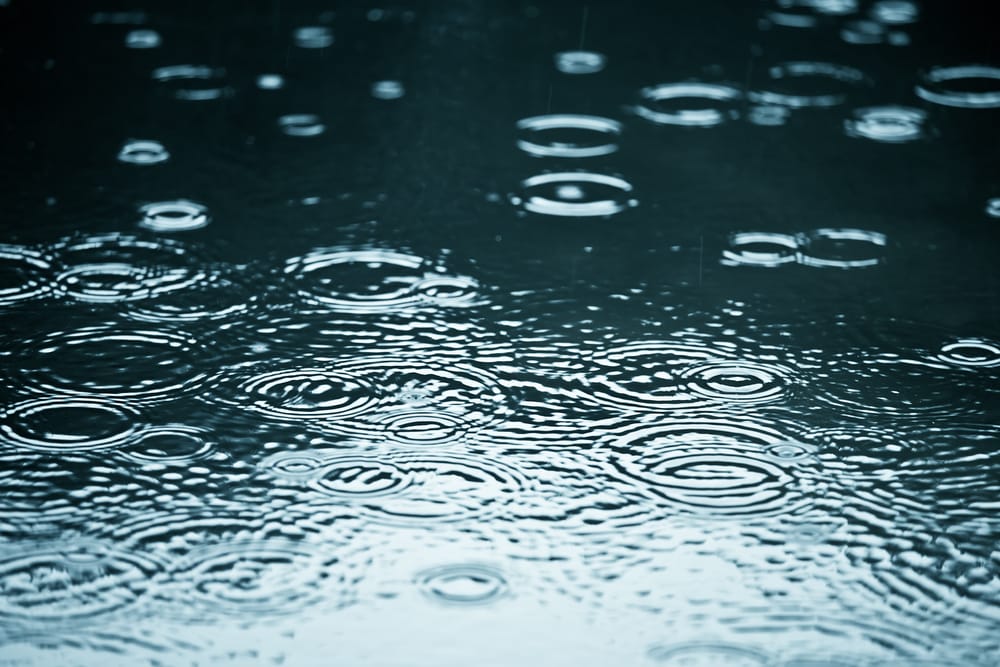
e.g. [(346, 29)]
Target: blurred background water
[(460, 332)]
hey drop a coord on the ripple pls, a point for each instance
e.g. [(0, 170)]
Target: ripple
[(179, 215), (842, 248), (580, 62), (143, 39), (973, 352), (575, 194), (888, 124), (171, 443), (108, 268), (24, 274), (294, 466), (304, 393), (801, 84), (424, 427), (768, 115), (707, 654), (388, 90), (313, 37), (941, 85), (68, 424), (716, 468), (863, 32), (143, 152), (895, 12), (64, 582), (357, 477), (739, 381), (301, 125), (766, 249), (192, 83), (465, 584), (220, 294), (115, 362), (572, 135), (670, 104)]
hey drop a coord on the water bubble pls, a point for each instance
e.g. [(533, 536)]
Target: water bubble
[(575, 194), (895, 12), (193, 83), (707, 654), (739, 381), (801, 84), (842, 248), (50, 584), (172, 443), (465, 584), (110, 268), (313, 37), (143, 39), (568, 135), (766, 249), (688, 104), (180, 215), (887, 124), (114, 362), (964, 86), (580, 62), (993, 207), (388, 90), (143, 152), (24, 274), (301, 125), (974, 352), (60, 424), (270, 81)]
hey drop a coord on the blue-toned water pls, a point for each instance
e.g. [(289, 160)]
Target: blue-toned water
[(438, 334)]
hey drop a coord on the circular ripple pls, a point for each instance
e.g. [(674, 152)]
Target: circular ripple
[(809, 84), (68, 424), (361, 477), (294, 466), (301, 125), (115, 362), (708, 654), (895, 12), (62, 582), (110, 268), (305, 393), (767, 249), (313, 37), (143, 39), (388, 90), (424, 427), (568, 135), (173, 443), (24, 274), (887, 124), (465, 584), (671, 104), (575, 194), (943, 85), (220, 294), (649, 376), (739, 381), (972, 352), (192, 83), (993, 207), (842, 248), (143, 152), (716, 468), (580, 62), (179, 215)]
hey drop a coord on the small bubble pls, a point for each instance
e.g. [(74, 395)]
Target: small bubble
[(143, 39), (387, 90), (270, 81), (143, 152), (580, 62), (301, 125)]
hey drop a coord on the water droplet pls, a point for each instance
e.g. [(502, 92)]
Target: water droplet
[(313, 37), (950, 86), (192, 83), (465, 584), (688, 104), (143, 39), (887, 124), (766, 249), (568, 135), (801, 84), (580, 62), (388, 90), (270, 81), (68, 424), (301, 125), (707, 654), (25, 273), (143, 152), (180, 215), (602, 195), (842, 248)]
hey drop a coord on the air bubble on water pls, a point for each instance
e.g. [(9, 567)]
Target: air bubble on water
[(143, 39), (313, 37), (580, 62)]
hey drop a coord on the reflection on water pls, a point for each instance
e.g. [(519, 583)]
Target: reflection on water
[(544, 334)]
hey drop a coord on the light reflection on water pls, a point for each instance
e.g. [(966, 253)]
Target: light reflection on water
[(613, 336)]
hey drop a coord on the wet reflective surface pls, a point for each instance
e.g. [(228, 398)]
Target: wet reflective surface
[(551, 334)]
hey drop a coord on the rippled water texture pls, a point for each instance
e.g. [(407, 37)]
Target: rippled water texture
[(465, 333)]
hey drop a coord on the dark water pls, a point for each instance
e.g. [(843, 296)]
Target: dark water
[(477, 333)]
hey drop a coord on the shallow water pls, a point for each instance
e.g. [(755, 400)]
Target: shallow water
[(550, 334)]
